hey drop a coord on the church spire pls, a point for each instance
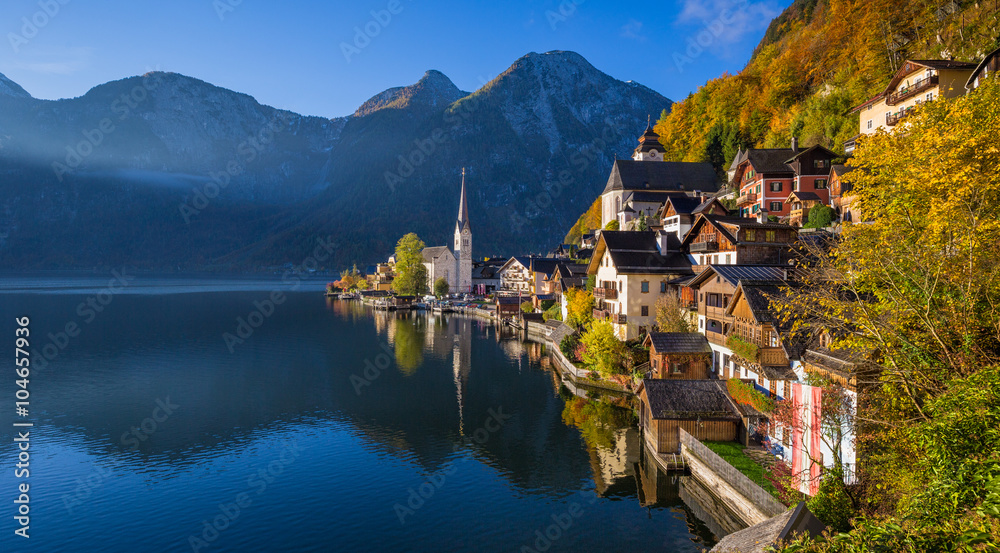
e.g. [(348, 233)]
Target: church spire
[(463, 208)]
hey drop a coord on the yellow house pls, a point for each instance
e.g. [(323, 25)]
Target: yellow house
[(916, 82), (633, 270)]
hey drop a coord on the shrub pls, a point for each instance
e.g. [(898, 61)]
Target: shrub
[(553, 312), (568, 346), (832, 503), (526, 307), (604, 351), (820, 216), (612, 225)]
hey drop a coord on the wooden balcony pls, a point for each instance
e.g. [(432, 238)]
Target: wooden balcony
[(702, 247), (600, 314), (773, 357), (918, 87), (891, 119), (605, 293), (746, 199), (716, 338), (618, 318)]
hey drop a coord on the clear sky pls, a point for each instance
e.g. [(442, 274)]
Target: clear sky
[(291, 54)]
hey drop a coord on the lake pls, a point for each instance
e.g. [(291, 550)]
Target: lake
[(226, 415)]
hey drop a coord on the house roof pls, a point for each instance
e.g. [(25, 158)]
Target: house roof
[(675, 176), (434, 252), (733, 274), (649, 140), (689, 399), (840, 170), (910, 67), (805, 196), (740, 157), (649, 196), (678, 342), (722, 223), (758, 295), (770, 160), (684, 205), (817, 148), (982, 65), (759, 537), (636, 252), (544, 265), (707, 204)]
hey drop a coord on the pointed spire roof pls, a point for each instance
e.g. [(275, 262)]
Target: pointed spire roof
[(649, 139), (463, 208)]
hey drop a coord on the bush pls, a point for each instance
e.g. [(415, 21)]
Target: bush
[(526, 307), (612, 225), (832, 503), (553, 312), (820, 216), (604, 351), (547, 304), (568, 346)]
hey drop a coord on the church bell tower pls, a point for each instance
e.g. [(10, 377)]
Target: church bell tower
[(463, 245)]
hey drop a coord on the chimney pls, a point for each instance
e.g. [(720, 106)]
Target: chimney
[(795, 144)]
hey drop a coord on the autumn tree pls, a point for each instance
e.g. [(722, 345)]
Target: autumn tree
[(411, 274), (670, 317), (604, 351), (579, 307), (914, 295)]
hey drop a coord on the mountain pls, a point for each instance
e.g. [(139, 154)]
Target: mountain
[(818, 59), (163, 171)]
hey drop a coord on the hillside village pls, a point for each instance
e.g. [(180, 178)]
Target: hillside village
[(683, 272)]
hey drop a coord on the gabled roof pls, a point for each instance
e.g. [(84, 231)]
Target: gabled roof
[(689, 399), (804, 196), (982, 65), (840, 170), (648, 196), (636, 252), (684, 205), (816, 148), (544, 265), (770, 160), (707, 204), (733, 274), (678, 342), (740, 157), (523, 261), (759, 537), (727, 226), (434, 252), (572, 269), (758, 295), (674, 176), (649, 140)]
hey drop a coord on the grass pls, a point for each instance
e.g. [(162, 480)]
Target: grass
[(733, 454)]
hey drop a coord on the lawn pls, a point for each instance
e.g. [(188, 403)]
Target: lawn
[(733, 454)]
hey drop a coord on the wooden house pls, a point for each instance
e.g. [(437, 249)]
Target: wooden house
[(715, 240), (679, 212), (988, 67), (679, 355), (841, 198), (508, 307), (799, 204), (755, 338), (701, 407)]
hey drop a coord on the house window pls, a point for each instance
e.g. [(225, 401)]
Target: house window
[(820, 184), (821, 164), (645, 286), (619, 286), (750, 235), (676, 368), (644, 311), (701, 324), (869, 121), (663, 287), (930, 96), (775, 187), (775, 206), (656, 363), (728, 259), (770, 236)]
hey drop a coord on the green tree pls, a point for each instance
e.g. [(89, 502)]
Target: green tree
[(441, 287), (821, 216), (604, 351), (612, 225), (411, 274), (579, 307), (527, 307), (640, 223)]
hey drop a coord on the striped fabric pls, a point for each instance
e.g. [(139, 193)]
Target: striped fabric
[(807, 454)]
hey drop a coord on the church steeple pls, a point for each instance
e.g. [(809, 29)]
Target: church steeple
[(463, 208), (649, 148)]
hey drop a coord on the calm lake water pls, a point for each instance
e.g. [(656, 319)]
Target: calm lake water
[(325, 427)]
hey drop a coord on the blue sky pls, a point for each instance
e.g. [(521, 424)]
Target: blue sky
[(291, 54)]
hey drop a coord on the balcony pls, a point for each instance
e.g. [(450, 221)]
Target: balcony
[(600, 314), (605, 293), (702, 247), (773, 357), (746, 199), (618, 318), (716, 338), (918, 87), (891, 119)]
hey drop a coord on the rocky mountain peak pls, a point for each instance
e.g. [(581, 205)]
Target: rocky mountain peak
[(434, 89), (10, 88)]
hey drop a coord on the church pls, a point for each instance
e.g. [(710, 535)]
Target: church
[(453, 264)]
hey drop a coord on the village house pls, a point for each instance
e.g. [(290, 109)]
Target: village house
[(632, 270), (986, 68), (515, 275), (710, 293), (916, 82), (840, 193), (756, 341), (679, 355), (703, 408), (485, 276), (715, 240), (765, 177), (384, 276), (799, 204), (679, 212), (654, 178)]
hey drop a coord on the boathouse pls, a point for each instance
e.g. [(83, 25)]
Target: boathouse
[(701, 407)]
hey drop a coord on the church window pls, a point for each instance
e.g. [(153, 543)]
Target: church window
[(645, 286)]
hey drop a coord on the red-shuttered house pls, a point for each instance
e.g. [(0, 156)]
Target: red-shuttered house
[(766, 176)]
